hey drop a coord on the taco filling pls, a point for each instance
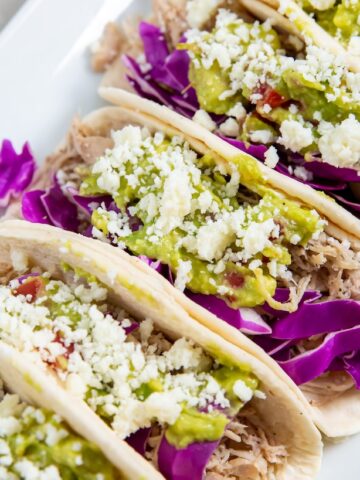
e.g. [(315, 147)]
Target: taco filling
[(167, 397), (225, 236), (294, 106), (38, 444)]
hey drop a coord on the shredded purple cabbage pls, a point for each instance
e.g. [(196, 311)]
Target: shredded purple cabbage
[(313, 363), (154, 264), (16, 171), (185, 463), (138, 440), (244, 319)]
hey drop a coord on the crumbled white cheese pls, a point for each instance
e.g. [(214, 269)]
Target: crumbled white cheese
[(303, 173), (203, 118), (340, 145), (271, 157), (230, 128), (295, 136), (322, 4), (176, 200), (183, 275), (238, 111), (257, 236), (261, 136), (242, 391)]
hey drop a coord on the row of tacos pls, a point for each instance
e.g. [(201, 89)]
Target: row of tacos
[(171, 342)]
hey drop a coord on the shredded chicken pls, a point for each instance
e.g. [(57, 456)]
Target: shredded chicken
[(333, 265), (87, 145), (171, 16), (108, 48), (327, 387), (244, 453)]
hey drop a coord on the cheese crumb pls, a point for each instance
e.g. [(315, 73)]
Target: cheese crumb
[(295, 136), (271, 157), (340, 144), (242, 391), (183, 275), (203, 118)]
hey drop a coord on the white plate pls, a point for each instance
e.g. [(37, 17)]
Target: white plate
[(45, 79)]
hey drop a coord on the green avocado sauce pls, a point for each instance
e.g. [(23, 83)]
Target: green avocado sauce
[(340, 20), (194, 426), (43, 439), (287, 84), (235, 282)]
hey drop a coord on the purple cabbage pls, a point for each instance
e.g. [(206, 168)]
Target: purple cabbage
[(154, 264), (138, 440), (16, 171), (61, 211), (325, 170), (185, 463), (33, 208), (317, 319), (244, 319), (54, 207), (313, 363)]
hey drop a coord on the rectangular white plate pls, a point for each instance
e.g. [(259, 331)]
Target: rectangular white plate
[(46, 79)]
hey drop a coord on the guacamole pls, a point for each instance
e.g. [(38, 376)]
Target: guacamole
[(305, 101), (130, 374), (340, 18), (34, 440), (224, 233)]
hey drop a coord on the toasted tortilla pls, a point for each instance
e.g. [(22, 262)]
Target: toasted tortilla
[(282, 413), (296, 20)]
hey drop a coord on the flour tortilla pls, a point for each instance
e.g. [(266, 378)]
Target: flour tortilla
[(310, 30), (282, 413)]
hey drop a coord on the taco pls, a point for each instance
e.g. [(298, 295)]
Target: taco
[(37, 443), (194, 405), (329, 24), (293, 105), (269, 256)]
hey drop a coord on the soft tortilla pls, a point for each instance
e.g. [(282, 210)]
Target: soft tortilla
[(282, 413)]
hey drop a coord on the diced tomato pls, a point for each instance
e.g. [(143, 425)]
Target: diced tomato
[(69, 348), (60, 363), (270, 97), (235, 280), (32, 287)]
